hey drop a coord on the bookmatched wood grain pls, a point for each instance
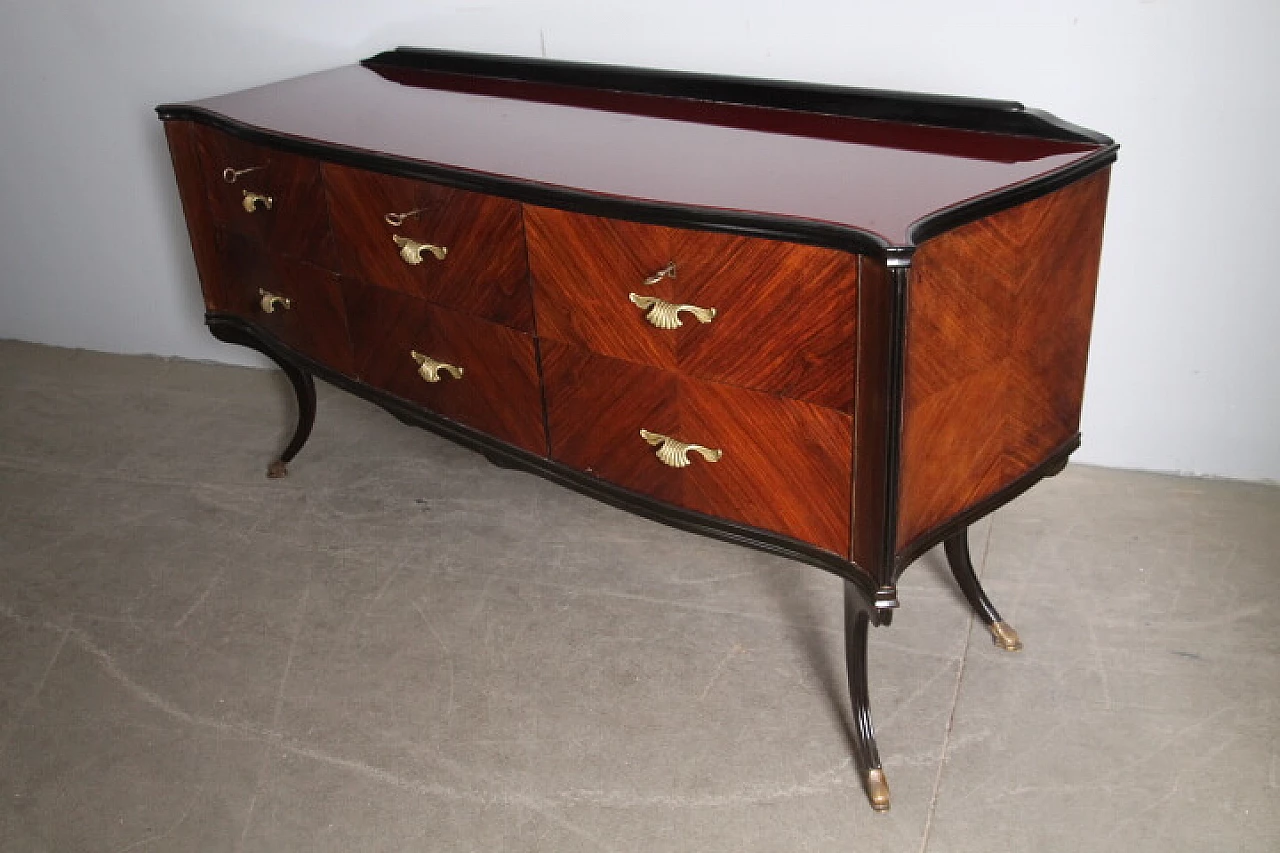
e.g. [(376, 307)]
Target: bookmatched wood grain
[(485, 272), (786, 313), (997, 341), (297, 223), (189, 172), (498, 393), (786, 465), (315, 321)]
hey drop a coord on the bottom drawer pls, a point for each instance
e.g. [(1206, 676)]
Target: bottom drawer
[(781, 465), (469, 370), (307, 313)]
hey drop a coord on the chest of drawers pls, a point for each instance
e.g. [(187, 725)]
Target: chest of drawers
[(835, 324)]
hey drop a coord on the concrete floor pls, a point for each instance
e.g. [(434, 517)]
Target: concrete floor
[(400, 647)]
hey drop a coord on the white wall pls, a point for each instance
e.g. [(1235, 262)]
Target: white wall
[(1183, 374)]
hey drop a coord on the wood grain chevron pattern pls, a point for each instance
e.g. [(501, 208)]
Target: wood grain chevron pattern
[(485, 272), (785, 313), (786, 465), (314, 323), (297, 224), (997, 340), (498, 392)]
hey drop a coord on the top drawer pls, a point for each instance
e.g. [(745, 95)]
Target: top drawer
[(273, 198), (762, 314), (452, 247)]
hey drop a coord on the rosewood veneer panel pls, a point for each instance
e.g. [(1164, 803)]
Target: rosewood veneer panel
[(786, 465), (498, 392), (997, 340), (484, 272), (786, 313), (296, 224), (189, 171), (314, 323)]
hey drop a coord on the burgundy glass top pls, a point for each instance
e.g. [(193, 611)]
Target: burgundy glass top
[(875, 176)]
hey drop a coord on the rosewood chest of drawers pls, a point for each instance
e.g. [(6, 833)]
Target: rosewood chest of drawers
[(835, 324)]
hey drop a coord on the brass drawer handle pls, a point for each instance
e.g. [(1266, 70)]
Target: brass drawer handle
[(411, 250), (676, 453), (251, 200), (669, 271), (429, 369), (270, 301), (666, 315), (229, 174)]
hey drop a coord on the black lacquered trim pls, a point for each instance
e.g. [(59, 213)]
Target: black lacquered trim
[(978, 114), (1052, 464), (509, 456), (953, 217)]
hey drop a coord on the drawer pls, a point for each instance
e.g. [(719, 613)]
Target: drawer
[(275, 199), (308, 314), (496, 390), (784, 465), (784, 314), (480, 268)]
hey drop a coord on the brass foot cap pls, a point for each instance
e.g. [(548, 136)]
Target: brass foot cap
[(878, 790), (277, 470), (1003, 635)]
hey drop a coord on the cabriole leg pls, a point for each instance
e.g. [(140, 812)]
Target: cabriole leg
[(304, 388), (856, 623), (1002, 633)]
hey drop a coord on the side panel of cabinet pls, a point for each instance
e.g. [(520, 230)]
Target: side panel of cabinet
[(184, 152), (997, 341)]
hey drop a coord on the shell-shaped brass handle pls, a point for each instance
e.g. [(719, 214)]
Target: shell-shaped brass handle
[(669, 271), (429, 369), (676, 453), (411, 250), (666, 315), (271, 301), (252, 200)]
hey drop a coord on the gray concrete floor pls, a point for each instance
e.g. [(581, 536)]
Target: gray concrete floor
[(400, 647)]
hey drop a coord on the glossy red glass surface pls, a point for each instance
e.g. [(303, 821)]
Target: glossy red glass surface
[(879, 177)]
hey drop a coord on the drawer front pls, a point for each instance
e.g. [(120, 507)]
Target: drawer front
[(783, 465), (400, 341), (480, 268), (275, 199), (784, 314), (306, 312)]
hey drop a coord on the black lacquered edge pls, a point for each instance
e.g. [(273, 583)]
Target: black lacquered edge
[(961, 214), (509, 456), (978, 114), (1052, 464)]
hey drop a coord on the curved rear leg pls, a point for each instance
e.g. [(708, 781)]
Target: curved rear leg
[(1002, 633), (304, 388), (856, 622)]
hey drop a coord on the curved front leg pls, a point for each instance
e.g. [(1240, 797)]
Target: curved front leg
[(856, 622), (1002, 633), (304, 388)]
